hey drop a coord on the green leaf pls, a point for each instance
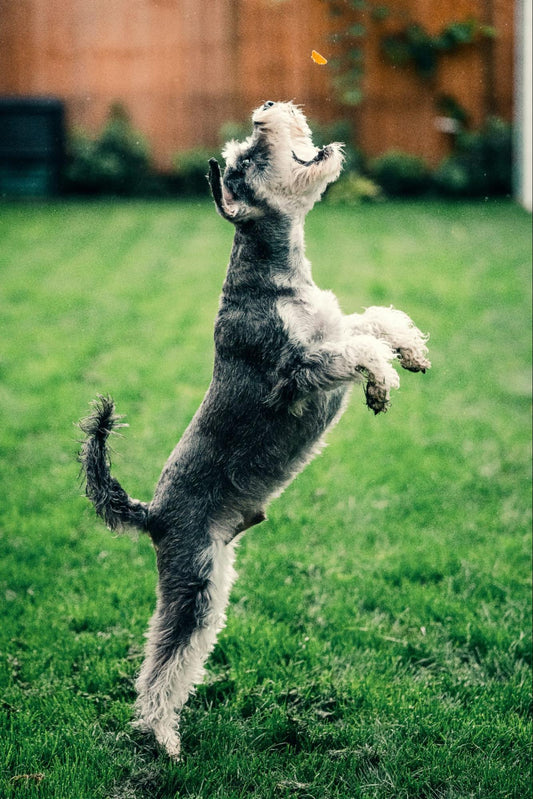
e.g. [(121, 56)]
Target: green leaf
[(352, 96)]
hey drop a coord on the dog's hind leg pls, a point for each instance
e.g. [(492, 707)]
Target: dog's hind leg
[(190, 612)]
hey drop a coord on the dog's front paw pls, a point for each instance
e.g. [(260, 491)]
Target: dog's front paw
[(414, 360), (412, 350), (377, 397), (395, 327)]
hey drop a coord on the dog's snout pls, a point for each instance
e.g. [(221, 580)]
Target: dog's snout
[(269, 104)]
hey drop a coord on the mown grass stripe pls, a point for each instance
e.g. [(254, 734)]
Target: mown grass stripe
[(378, 641)]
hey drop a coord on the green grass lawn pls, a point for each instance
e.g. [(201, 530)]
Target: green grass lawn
[(378, 637)]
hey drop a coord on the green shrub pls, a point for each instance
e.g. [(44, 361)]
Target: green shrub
[(341, 130), (400, 174), (116, 162), (190, 170), (481, 164), (234, 130), (323, 133), (190, 166), (353, 189), (452, 177)]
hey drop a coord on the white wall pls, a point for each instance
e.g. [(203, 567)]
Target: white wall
[(523, 113)]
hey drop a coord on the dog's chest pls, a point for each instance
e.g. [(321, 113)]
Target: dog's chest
[(313, 316)]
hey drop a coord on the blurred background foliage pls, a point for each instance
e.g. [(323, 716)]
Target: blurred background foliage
[(117, 162), (404, 42)]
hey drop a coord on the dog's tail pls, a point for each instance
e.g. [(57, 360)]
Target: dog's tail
[(110, 500)]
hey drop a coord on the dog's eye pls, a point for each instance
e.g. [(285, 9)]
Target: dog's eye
[(245, 163)]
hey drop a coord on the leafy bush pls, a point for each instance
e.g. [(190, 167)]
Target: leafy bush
[(323, 133), (234, 130), (116, 162), (353, 189), (452, 177), (415, 45), (482, 163), (400, 174), (341, 130), (190, 166), (188, 178), (190, 170)]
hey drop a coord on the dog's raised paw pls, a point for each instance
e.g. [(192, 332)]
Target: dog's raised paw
[(377, 397), (413, 362)]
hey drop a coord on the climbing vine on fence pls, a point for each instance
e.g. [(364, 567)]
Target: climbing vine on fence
[(415, 46), (409, 44)]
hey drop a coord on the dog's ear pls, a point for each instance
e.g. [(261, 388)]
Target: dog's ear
[(233, 210)]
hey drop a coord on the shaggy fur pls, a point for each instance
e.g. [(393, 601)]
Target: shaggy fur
[(285, 358)]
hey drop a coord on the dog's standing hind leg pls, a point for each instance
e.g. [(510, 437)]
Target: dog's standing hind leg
[(190, 612)]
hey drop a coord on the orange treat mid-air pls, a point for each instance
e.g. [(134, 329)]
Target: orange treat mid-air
[(317, 58)]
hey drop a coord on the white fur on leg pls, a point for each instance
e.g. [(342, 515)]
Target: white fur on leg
[(316, 323), (161, 696), (397, 329), (374, 356)]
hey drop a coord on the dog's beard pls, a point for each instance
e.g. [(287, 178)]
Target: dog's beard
[(293, 173), (297, 164)]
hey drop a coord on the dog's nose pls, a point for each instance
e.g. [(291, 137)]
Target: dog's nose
[(269, 104)]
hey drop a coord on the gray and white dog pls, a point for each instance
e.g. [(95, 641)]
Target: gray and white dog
[(285, 358)]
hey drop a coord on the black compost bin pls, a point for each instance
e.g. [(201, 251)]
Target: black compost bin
[(32, 146)]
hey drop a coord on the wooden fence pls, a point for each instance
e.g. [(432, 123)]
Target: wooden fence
[(184, 67)]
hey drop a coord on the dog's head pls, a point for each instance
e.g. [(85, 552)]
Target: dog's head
[(277, 168)]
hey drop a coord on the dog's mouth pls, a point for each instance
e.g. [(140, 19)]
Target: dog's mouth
[(322, 154), (276, 165)]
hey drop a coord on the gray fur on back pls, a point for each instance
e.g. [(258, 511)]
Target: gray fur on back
[(241, 447)]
